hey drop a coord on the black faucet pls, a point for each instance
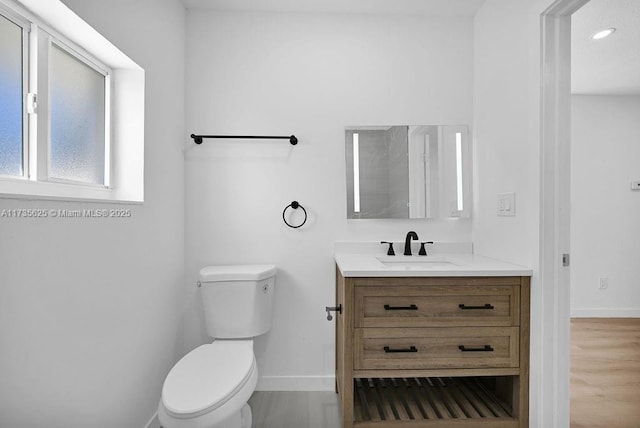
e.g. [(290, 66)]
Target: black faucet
[(407, 242)]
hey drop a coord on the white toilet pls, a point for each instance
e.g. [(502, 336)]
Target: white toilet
[(210, 386)]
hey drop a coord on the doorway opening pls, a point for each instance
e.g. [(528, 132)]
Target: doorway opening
[(605, 106)]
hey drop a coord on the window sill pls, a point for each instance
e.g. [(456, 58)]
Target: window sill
[(49, 191)]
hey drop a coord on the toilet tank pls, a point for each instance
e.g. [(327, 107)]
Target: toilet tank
[(237, 299)]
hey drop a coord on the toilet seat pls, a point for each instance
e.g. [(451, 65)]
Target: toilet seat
[(208, 377)]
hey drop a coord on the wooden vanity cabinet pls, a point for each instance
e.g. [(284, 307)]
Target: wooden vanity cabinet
[(446, 352)]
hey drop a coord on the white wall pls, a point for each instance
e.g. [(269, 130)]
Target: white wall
[(501, 147), (507, 82), (283, 73), (90, 309), (605, 152)]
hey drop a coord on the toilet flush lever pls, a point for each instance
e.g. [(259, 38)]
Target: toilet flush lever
[(337, 309)]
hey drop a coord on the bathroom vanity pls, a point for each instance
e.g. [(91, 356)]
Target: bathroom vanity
[(436, 341)]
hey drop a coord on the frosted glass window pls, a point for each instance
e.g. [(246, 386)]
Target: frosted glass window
[(77, 92), (11, 111)]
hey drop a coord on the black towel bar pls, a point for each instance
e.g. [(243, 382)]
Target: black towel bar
[(292, 138)]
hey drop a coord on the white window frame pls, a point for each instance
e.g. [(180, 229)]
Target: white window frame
[(46, 23), (44, 141), (37, 44), (25, 25)]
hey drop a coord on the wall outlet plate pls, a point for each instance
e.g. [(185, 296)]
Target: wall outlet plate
[(635, 185)]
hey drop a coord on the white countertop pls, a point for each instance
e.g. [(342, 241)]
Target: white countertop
[(375, 264)]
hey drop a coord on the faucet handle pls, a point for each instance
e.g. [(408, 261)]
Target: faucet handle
[(422, 251), (390, 252)]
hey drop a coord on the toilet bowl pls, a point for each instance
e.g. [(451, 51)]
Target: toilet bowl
[(210, 386)]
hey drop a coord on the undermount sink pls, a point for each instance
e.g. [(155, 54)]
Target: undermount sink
[(415, 263)]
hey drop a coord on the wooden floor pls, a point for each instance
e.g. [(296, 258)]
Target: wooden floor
[(295, 409), (605, 373)]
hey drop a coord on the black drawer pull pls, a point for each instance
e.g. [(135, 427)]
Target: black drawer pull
[(485, 306), (485, 348), (409, 349), (400, 308)]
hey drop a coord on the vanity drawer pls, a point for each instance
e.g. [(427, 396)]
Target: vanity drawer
[(437, 305), (436, 348)]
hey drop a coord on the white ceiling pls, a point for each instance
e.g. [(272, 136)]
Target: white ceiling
[(404, 7), (607, 66), (610, 65)]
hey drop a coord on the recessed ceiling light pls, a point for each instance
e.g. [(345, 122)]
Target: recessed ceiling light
[(604, 33)]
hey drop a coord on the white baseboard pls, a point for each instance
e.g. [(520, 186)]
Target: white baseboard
[(153, 422), (296, 383), (605, 313)]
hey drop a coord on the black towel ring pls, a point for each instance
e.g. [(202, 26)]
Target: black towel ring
[(295, 205)]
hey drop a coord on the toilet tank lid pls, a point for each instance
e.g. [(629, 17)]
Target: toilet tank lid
[(236, 273)]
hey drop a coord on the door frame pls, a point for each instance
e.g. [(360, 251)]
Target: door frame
[(555, 206)]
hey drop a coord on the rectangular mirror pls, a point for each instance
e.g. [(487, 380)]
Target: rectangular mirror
[(404, 171)]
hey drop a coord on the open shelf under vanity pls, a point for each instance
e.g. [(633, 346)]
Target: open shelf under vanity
[(430, 401)]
